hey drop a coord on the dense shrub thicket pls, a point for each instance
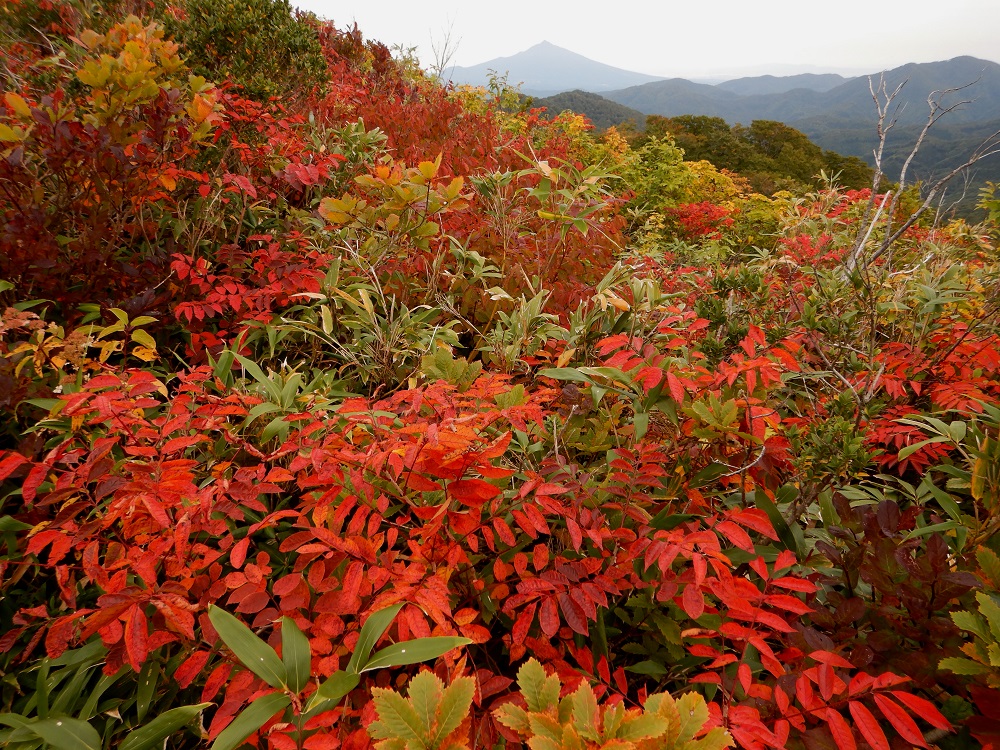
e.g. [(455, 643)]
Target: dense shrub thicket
[(306, 361)]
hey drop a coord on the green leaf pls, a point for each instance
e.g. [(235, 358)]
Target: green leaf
[(144, 339), (295, 654), (339, 684), (424, 693), (147, 685), (413, 652), (648, 668), (963, 666), (396, 717), (988, 561), (787, 536), (585, 712), (7, 523), (376, 624), (152, 734), (454, 706), (254, 654), (513, 717), (64, 733), (932, 529), (642, 728), (540, 692), (252, 718), (694, 713), (972, 622), (909, 450)]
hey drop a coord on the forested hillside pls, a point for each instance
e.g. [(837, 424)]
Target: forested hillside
[(340, 409)]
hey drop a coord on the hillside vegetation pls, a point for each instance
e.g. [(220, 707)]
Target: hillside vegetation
[(340, 409)]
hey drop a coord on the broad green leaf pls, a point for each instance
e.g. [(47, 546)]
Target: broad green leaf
[(694, 713), (250, 719), (909, 450), (254, 654), (144, 339), (64, 733), (295, 654), (454, 707), (339, 684), (642, 727), (396, 717), (990, 609), (512, 716), (540, 692), (376, 624), (152, 734), (585, 712), (413, 652), (7, 523), (963, 666), (972, 622), (990, 564), (424, 693)]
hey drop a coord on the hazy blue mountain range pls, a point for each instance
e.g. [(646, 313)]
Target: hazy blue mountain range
[(846, 104), (779, 84), (837, 113), (546, 69)]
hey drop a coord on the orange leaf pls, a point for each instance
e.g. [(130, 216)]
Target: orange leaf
[(474, 492)]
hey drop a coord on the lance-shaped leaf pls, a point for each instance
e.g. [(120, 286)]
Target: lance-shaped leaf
[(336, 687), (255, 655), (152, 734), (295, 654), (413, 652), (252, 718), (371, 631)]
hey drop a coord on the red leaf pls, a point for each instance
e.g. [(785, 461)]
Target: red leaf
[(841, 730), (900, 720), (755, 520), (575, 534), (11, 462), (693, 602), (676, 388), (523, 623), (923, 708), (825, 657), (239, 554), (190, 668), (826, 679), (548, 617), (136, 635), (868, 726)]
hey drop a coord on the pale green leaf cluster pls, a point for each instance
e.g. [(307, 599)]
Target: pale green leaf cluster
[(430, 718), (983, 651), (578, 722)]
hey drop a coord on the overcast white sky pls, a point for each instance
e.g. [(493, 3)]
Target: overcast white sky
[(688, 37)]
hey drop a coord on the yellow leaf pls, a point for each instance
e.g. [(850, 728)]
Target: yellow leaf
[(146, 355), (168, 182), (17, 103), (565, 357)]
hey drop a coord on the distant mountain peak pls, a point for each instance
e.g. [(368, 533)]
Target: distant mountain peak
[(546, 68)]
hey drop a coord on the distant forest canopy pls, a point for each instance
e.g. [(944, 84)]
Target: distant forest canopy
[(772, 156)]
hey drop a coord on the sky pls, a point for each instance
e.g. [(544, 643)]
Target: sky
[(688, 38)]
